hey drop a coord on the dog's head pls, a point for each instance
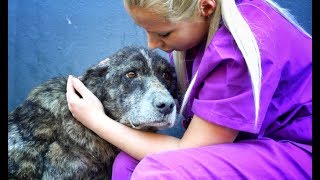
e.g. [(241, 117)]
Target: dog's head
[(136, 86)]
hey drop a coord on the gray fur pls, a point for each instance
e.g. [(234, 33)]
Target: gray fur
[(46, 142)]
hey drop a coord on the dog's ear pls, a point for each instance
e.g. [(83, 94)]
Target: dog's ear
[(95, 72)]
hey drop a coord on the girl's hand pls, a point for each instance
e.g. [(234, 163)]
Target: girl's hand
[(87, 109)]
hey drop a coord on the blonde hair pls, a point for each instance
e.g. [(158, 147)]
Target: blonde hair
[(177, 10)]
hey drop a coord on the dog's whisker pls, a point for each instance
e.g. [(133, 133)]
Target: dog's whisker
[(132, 124)]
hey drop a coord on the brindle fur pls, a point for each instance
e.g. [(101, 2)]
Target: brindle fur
[(46, 142)]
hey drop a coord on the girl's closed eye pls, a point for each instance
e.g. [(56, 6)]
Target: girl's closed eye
[(166, 34)]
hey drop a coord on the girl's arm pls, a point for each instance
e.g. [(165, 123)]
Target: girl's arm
[(89, 111)]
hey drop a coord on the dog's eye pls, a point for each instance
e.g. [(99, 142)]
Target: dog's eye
[(131, 74), (166, 76)]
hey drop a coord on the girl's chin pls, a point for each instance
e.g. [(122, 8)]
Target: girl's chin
[(168, 51)]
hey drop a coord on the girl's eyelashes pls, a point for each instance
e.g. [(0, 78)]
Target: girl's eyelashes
[(164, 34)]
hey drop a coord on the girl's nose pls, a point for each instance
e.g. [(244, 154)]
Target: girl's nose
[(153, 41)]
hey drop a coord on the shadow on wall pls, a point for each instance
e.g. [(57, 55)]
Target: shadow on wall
[(51, 38)]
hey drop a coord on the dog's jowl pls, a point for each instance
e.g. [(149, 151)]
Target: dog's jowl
[(137, 88)]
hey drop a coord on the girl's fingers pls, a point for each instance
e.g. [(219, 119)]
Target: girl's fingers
[(71, 93), (80, 88), (69, 85)]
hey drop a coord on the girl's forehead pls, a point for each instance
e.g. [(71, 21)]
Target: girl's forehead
[(145, 14), (149, 20)]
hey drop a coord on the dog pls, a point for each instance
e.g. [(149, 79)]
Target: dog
[(136, 86)]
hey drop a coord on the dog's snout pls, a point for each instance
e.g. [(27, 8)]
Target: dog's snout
[(165, 107)]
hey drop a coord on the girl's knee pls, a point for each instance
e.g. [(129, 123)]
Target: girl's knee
[(154, 166), (123, 166)]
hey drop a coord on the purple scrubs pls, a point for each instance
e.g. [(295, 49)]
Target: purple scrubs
[(281, 145)]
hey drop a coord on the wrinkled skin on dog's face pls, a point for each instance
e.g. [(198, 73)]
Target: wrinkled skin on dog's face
[(137, 87)]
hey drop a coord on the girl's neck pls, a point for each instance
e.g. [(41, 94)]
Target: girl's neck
[(192, 53)]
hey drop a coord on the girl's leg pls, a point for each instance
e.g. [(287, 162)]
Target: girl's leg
[(123, 166), (250, 159)]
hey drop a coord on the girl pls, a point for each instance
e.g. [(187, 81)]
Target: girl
[(245, 68)]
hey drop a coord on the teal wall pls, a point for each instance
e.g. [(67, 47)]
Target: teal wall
[(50, 38)]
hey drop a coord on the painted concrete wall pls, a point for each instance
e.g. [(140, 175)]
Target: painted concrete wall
[(49, 38)]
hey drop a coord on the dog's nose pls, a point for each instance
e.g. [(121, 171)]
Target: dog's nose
[(165, 107)]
